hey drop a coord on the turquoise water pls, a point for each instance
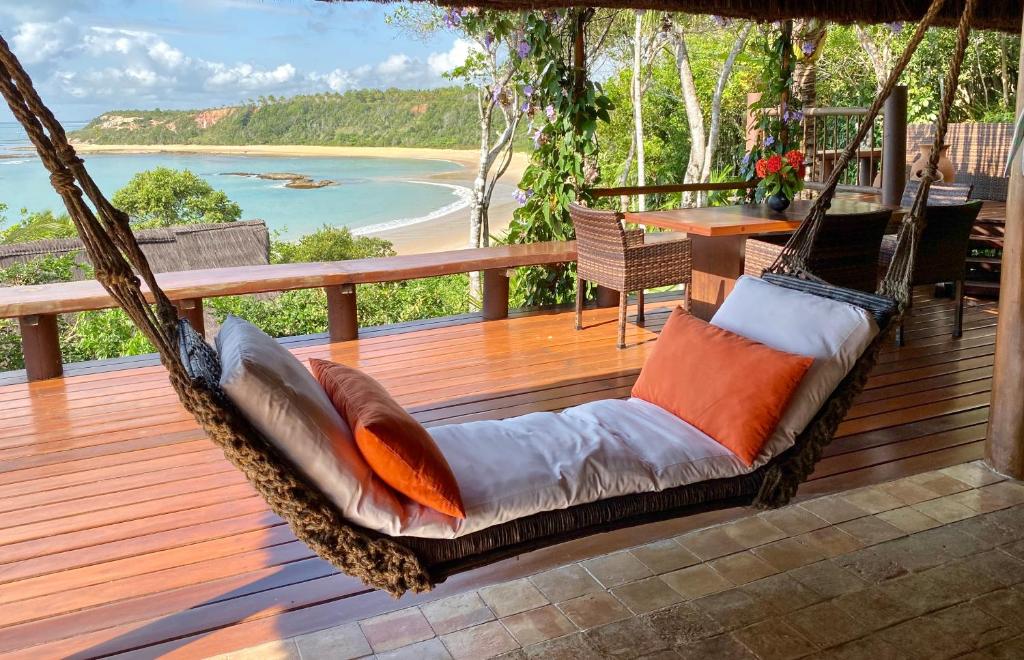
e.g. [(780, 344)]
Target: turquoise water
[(372, 193)]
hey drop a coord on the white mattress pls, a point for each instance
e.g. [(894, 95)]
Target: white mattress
[(516, 467)]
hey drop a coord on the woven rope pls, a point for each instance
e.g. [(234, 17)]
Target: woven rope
[(796, 255), (898, 278)]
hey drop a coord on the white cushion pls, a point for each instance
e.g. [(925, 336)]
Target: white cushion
[(834, 333), (288, 406), (516, 467)]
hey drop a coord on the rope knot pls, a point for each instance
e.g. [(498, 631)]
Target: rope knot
[(63, 182)]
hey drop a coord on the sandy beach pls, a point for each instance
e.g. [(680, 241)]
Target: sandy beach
[(446, 232)]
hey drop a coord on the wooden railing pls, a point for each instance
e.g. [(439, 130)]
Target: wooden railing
[(36, 307)]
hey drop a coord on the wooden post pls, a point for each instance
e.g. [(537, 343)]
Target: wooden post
[(495, 303), (1004, 444), (894, 146), (191, 309), (40, 344), (342, 322)]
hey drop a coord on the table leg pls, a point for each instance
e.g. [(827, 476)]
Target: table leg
[(717, 264)]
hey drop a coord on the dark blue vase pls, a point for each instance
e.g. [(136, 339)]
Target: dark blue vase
[(778, 202)]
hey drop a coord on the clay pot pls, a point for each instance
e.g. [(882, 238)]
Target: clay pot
[(945, 166)]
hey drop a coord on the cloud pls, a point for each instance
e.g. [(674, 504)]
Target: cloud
[(442, 63), (139, 67), (40, 41)]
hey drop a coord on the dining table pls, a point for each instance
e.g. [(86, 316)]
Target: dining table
[(718, 236)]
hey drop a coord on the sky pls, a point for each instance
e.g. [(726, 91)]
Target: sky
[(90, 56)]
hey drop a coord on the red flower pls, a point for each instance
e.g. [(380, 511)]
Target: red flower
[(795, 159), (774, 164), (759, 168)]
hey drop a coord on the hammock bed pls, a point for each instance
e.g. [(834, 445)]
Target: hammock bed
[(398, 564)]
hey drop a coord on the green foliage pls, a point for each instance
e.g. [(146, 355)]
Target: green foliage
[(36, 226), (442, 118), (163, 197), (329, 244), (564, 163), (43, 270)]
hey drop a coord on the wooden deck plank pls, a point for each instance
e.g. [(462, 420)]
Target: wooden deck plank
[(123, 530)]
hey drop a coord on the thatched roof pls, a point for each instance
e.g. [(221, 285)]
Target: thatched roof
[(186, 247), (991, 14)]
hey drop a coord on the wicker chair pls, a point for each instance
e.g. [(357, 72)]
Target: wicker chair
[(845, 253), (616, 258), (941, 253)]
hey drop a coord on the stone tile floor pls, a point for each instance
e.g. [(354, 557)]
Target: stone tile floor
[(929, 566)]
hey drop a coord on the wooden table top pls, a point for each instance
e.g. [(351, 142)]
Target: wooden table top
[(742, 219)]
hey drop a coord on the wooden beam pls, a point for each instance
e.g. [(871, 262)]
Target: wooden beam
[(1004, 444), (894, 146), (191, 309), (40, 344), (495, 302), (342, 321)]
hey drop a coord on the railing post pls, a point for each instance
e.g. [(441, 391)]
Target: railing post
[(40, 345), (191, 309), (894, 146), (342, 322), (495, 302)]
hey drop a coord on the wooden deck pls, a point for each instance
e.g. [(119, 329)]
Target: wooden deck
[(122, 529)]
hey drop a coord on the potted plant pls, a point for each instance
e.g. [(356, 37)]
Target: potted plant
[(782, 177)]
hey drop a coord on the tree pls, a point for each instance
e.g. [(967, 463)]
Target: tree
[(36, 226), (703, 144), (496, 66), (329, 244), (163, 197)]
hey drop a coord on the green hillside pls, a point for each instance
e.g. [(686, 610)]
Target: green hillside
[(442, 118)]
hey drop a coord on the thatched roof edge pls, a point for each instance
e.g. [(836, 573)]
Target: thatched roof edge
[(1004, 15)]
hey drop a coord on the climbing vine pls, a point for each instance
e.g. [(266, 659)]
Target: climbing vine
[(563, 109), (777, 115)]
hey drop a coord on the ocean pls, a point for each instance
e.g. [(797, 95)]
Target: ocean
[(370, 194)]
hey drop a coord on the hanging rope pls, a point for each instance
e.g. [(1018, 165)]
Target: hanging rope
[(108, 239), (796, 255), (896, 283)]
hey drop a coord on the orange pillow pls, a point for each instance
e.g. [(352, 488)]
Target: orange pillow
[(396, 446), (731, 388)]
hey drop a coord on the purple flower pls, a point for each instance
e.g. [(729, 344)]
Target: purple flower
[(453, 18), (537, 136), (528, 90), (807, 48), (525, 107), (523, 49), (521, 196), (488, 40), (792, 115), (550, 112), (895, 27), (769, 141), (721, 21), (496, 94), (746, 158)]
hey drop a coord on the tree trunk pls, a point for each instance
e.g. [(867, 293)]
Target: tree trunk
[(638, 119), (716, 110), (694, 116), (478, 204)]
